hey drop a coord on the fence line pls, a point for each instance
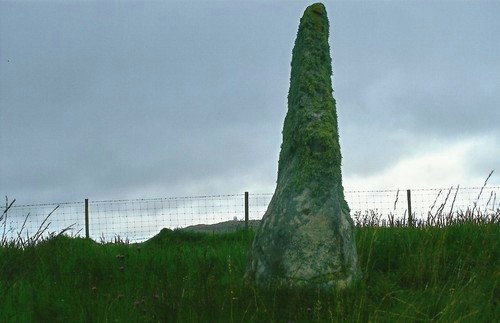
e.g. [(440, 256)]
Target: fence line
[(140, 219)]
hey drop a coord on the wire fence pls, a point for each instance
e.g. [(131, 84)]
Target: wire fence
[(140, 219)]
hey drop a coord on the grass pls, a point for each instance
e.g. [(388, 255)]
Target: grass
[(438, 274)]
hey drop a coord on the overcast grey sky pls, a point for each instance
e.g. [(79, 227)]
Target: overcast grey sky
[(132, 99)]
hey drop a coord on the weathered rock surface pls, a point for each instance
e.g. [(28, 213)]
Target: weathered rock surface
[(306, 236)]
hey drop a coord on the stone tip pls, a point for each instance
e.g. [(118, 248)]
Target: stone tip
[(317, 8)]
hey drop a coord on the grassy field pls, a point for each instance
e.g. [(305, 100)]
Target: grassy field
[(447, 274)]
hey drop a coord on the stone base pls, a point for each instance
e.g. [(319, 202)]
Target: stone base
[(304, 246)]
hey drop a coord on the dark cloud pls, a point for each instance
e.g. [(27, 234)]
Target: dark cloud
[(108, 100), (407, 74)]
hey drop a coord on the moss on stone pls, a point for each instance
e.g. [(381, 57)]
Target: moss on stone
[(306, 234), (310, 132)]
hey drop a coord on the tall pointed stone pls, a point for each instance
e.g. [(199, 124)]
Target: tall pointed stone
[(306, 236)]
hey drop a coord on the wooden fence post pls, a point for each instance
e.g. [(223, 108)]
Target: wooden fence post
[(87, 233), (410, 215), (246, 210)]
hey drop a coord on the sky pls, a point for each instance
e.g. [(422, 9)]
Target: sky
[(131, 99)]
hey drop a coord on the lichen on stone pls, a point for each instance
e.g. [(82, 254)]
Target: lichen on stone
[(306, 234)]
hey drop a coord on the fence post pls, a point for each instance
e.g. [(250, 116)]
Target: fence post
[(87, 235), (410, 215), (246, 210)]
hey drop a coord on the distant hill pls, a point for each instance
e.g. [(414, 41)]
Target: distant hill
[(228, 226)]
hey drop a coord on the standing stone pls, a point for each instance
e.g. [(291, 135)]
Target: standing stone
[(306, 236)]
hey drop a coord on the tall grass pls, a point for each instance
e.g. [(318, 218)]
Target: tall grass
[(410, 274)]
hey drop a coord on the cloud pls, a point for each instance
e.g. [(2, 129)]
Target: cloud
[(436, 165), (182, 98)]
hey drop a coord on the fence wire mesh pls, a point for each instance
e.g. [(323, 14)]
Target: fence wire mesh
[(427, 205), (140, 219), (24, 221)]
